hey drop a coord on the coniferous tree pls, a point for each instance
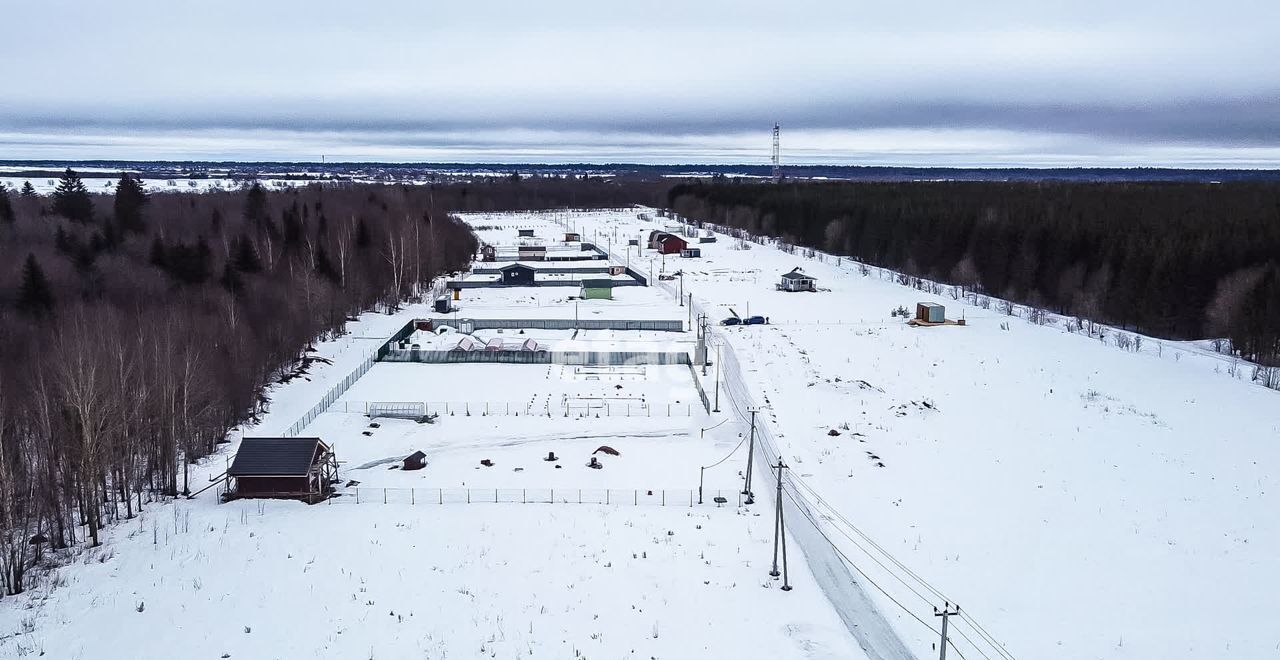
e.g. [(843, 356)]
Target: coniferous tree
[(245, 256), (64, 242), (324, 266), (130, 200), (231, 279), (157, 256), (71, 199), (363, 238), (6, 207), (293, 230), (35, 296), (28, 190), (255, 206)]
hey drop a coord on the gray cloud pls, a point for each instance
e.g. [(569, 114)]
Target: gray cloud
[(645, 79)]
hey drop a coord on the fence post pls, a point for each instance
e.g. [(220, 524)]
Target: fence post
[(524, 495), (664, 497), (553, 496), (606, 496), (579, 496), (495, 495), (411, 497), (384, 495), (468, 496), (357, 496), (440, 494)]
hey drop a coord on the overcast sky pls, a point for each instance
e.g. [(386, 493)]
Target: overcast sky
[(929, 82)]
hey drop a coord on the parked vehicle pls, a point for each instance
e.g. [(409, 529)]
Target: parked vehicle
[(732, 320), (755, 320)]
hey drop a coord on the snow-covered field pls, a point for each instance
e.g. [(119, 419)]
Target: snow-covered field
[(284, 580), (1077, 500), (652, 574), (45, 185), (554, 302)]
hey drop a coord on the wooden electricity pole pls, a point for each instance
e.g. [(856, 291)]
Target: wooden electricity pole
[(751, 453), (780, 533), (948, 610)]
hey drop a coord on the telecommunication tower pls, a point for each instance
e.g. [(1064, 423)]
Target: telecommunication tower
[(777, 153)]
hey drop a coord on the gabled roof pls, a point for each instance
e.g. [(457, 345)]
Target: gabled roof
[(797, 274), (416, 456), (516, 267), (274, 457)]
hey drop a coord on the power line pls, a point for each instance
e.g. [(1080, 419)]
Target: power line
[(795, 496), (868, 578), (990, 639), (727, 456), (837, 515), (854, 566), (981, 633)]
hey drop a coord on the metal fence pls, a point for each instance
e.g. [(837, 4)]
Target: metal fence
[(702, 393), (686, 497), (331, 396), (607, 358), (579, 408), (663, 325)]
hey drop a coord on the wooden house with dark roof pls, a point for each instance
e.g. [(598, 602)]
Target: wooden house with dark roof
[(289, 468)]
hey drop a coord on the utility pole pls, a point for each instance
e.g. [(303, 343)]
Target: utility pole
[(948, 610), (702, 472), (702, 341), (780, 534), (751, 452)]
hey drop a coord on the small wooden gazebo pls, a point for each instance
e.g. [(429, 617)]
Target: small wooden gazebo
[(284, 468)]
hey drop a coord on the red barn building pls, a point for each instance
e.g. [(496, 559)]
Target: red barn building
[(671, 244)]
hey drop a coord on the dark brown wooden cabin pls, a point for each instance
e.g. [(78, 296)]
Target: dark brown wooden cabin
[(290, 468), (415, 461)]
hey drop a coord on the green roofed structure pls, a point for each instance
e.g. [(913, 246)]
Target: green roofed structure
[(597, 290)]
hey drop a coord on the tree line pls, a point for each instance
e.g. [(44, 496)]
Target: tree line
[(1174, 260), (137, 330)]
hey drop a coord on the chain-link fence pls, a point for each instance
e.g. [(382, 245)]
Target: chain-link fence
[(686, 497), (330, 397), (579, 408)]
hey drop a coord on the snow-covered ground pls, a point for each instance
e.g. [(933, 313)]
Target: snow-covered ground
[(1077, 500), (357, 578), (557, 302), (565, 340), (651, 574), (509, 389), (45, 185), (284, 580)]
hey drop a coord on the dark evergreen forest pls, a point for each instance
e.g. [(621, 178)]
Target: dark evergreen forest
[(1174, 260), (137, 330)]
